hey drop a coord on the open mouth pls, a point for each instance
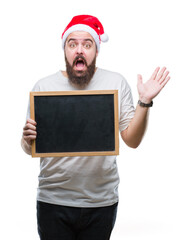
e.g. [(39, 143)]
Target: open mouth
[(80, 63)]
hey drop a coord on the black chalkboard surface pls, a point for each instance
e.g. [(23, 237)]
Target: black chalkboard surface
[(75, 123)]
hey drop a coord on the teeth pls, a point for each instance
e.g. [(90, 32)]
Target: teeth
[(79, 61)]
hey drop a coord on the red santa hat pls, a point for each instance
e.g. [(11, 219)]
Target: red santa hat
[(88, 24)]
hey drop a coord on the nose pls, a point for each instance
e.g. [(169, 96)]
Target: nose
[(79, 49)]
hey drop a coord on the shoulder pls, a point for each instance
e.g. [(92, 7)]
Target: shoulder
[(113, 78), (48, 78), (112, 74), (46, 81)]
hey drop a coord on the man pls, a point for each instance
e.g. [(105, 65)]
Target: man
[(77, 196)]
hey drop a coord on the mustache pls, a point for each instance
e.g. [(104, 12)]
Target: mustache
[(80, 57)]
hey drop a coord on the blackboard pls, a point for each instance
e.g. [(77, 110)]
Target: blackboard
[(75, 123)]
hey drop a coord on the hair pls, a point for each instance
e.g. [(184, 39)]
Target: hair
[(85, 77)]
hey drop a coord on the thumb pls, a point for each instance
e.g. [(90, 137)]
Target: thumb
[(139, 79)]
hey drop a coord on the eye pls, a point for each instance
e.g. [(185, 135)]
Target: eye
[(87, 45), (72, 44)]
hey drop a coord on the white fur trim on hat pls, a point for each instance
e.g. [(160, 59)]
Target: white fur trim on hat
[(104, 37), (85, 28)]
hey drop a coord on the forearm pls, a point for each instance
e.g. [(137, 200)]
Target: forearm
[(133, 135), (25, 146)]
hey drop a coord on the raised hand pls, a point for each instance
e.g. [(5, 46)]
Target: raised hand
[(150, 89)]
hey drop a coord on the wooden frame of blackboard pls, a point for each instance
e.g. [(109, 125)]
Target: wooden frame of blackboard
[(95, 93)]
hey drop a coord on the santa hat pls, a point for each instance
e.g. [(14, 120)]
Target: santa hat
[(88, 24)]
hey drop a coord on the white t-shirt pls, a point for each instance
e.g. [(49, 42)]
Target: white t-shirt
[(89, 181)]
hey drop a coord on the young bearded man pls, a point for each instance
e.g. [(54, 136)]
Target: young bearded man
[(78, 196)]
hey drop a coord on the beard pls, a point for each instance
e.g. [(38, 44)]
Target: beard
[(80, 78)]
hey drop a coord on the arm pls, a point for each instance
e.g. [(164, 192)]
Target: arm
[(29, 134), (133, 135)]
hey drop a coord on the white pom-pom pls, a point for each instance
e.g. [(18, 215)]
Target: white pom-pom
[(104, 37)]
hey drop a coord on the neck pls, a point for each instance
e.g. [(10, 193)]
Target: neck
[(65, 74)]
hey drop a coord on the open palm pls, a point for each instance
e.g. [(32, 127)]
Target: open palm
[(150, 89)]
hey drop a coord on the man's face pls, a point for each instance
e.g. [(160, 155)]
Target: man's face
[(80, 56)]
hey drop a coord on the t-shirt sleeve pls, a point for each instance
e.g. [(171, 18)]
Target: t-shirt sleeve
[(127, 109)]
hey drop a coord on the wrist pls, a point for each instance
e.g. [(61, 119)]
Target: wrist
[(145, 99), (146, 105), (26, 147)]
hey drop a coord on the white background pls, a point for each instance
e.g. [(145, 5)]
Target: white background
[(155, 196)]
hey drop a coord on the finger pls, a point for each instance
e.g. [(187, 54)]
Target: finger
[(29, 132), (155, 73), (164, 77), (29, 126), (160, 74), (165, 81), (29, 139), (29, 120)]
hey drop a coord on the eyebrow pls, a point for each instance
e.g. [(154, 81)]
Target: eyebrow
[(74, 39)]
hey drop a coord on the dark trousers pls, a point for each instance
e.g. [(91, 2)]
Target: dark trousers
[(57, 222)]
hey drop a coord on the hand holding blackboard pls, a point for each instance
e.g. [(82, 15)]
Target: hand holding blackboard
[(29, 135), (29, 131)]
